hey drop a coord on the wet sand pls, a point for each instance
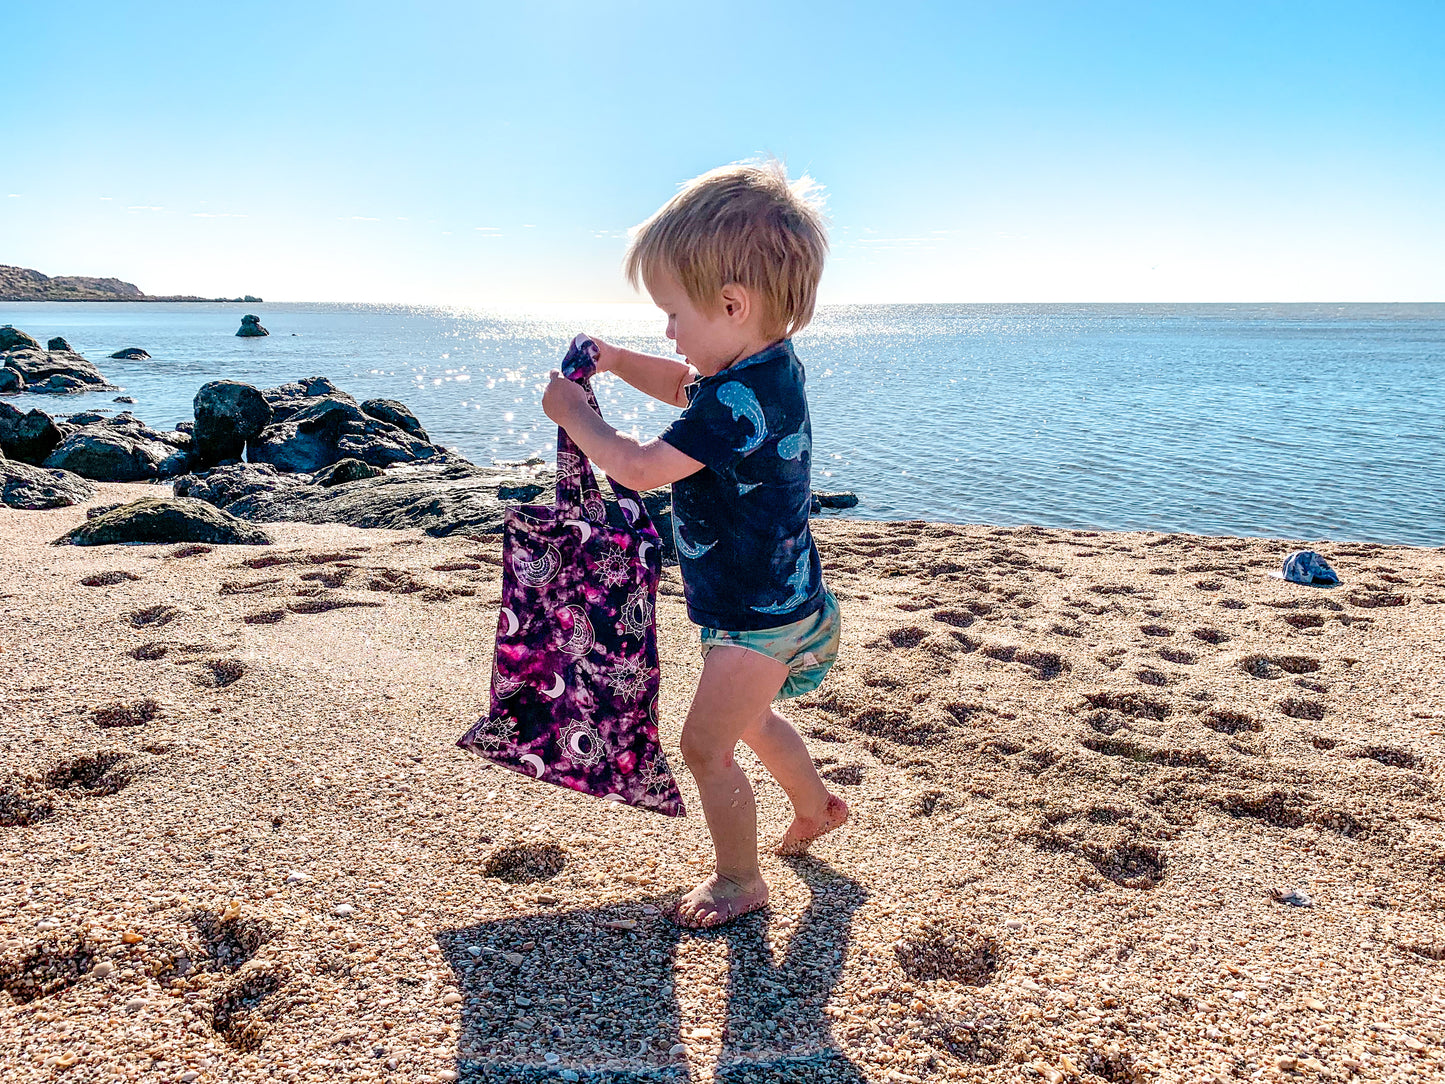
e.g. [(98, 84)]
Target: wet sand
[(238, 841)]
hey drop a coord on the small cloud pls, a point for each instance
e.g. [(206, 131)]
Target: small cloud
[(13, 195), (144, 208), (216, 214), (529, 225), (489, 229), (399, 218), (360, 218), (106, 199)]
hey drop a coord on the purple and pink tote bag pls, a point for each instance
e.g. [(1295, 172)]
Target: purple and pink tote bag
[(575, 683)]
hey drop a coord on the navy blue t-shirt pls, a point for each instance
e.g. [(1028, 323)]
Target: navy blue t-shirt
[(741, 523)]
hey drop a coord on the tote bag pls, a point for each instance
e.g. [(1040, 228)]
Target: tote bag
[(575, 682)]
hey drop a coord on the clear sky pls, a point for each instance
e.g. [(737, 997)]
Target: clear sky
[(478, 153)]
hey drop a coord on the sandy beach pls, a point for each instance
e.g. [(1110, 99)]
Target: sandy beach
[(1124, 809)]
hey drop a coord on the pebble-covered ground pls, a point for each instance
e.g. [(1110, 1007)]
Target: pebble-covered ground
[(1124, 809)]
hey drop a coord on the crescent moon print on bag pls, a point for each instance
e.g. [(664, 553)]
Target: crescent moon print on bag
[(575, 679)]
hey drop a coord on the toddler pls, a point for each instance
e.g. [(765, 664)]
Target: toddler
[(733, 260)]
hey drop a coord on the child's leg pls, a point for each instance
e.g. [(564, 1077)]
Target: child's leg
[(736, 688), (815, 810)]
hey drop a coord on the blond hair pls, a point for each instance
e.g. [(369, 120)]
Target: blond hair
[(747, 224)]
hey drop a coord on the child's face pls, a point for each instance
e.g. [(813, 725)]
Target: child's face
[(710, 341)]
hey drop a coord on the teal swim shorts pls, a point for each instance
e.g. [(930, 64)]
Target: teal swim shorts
[(808, 648)]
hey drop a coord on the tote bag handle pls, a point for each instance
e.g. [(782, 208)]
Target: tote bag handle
[(578, 495)]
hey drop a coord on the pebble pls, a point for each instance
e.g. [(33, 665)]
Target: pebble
[(523, 1000), (296, 877), (676, 1049), (189, 1075), (516, 959), (551, 1058), (130, 937), (102, 969), (545, 900), (473, 951), (447, 1074), (66, 1060), (343, 910), (135, 1004), (621, 924), (569, 1075), (452, 998), (1294, 897), (45, 925), (1014, 924)]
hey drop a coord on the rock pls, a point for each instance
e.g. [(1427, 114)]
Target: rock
[(225, 486), (87, 417), (29, 487), (102, 969), (38, 366), (59, 385), (440, 499), (343, 910), (347, 470), (843, 499), (389, 410), (296, 877), (11, 382), (11, 337), (121, 450), (286, 399), (229, 414), (28, 437), (58, 343), (329, 429), (251, 326), (165, 520), (123, 399), (452, 998), (130, 353)]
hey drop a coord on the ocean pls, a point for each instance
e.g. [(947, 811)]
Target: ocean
[(1313, 422)]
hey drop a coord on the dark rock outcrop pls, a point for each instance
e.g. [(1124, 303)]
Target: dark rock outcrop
[(58, 343), (131, 353), (165, 521), (38, 367), (122, 449), (12, 337), (347, 470), (398, 414), (841, 499), (251, 326), (315, 424), (441, 500), (28, 437), (25, 486), (229, 414), (123, 399), (11, 381)]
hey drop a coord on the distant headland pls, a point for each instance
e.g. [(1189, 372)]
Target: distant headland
[(23, 284)]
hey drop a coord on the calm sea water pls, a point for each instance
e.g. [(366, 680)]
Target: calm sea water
[(1296, 421)]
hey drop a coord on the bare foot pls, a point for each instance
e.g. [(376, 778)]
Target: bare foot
[(804, 830), (718, 900)]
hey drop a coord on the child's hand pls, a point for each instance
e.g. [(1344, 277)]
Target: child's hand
[(606, 354), (563, 399)]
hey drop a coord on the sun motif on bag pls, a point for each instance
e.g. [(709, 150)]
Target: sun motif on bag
[(630, 679), (613, 569), (654, 778), (497, 732)]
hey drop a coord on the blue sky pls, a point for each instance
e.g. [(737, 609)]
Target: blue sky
[(478, 154)]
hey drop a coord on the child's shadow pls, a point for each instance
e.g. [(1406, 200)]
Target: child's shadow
[(601, 999)]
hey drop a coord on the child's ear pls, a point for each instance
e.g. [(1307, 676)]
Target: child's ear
[(736, 301)]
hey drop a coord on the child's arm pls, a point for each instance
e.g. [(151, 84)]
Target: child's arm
[(661, 378), (636, 465)]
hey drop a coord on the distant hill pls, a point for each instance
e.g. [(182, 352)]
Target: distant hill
[(23, 284)]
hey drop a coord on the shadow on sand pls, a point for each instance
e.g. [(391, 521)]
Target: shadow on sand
[(602, 1000)]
